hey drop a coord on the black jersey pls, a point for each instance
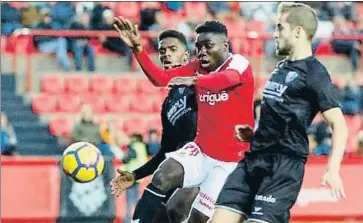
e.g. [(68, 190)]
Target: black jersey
[(179, 122), (294, 94)]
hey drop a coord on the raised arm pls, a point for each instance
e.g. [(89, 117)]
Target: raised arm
[(130, 35)]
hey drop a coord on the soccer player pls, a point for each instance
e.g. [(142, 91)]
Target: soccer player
[(224, 85), (179, 119), (265, 185)]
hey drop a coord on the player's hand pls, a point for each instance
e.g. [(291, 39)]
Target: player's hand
[(243, 133), (334, 182), (122, 182), (129, 33), (182, 81)]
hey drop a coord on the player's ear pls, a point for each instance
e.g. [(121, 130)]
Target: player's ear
[(186, 56)]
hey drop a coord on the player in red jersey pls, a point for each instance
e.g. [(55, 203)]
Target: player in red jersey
[(224, 85)]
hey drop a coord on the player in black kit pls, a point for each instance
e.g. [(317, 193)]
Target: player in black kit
[(179, 118), (265, 185)]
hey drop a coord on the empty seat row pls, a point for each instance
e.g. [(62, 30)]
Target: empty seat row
[(48, 103), (62, 126), (100, 84)]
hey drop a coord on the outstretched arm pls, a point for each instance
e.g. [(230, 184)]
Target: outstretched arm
[(130, 35)]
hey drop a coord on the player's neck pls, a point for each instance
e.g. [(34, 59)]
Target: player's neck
[(301, 51)]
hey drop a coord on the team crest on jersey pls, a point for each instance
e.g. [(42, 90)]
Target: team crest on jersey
[(291, 76)]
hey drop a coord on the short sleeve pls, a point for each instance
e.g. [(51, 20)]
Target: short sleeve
[(323, 92)]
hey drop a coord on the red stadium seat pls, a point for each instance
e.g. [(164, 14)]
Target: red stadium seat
[(52, 84), (145, 86), (197, 10), (44, 103), (130, 10), (69, 103), (101, 84), (142, 103), (125, 84), (119, 123), (324, 48), (61, 126), (97, 102), (135, 125), (155, 123), (76, 84), (158, 103), (4, 41), (118, 104)]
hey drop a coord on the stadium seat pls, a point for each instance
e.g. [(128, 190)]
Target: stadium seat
[(118, 104), (144, 86), (125, 84), (76, 84), (155, 123), (135, 125), (4, 41), (324, 48), (61, 126), (158, 103), (130, 10), (119, 123), (69, 103), (339, 81), (52, 84), (101, 84), (97, 102), (142, 103), (198, 10), (44, 103)]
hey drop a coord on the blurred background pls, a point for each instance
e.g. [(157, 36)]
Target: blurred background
[(67, 77)]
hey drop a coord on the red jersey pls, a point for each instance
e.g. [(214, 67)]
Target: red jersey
[(225, 99)]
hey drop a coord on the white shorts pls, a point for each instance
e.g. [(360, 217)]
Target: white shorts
[(203, 171)]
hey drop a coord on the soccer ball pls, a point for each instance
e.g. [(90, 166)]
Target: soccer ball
[(82, 162)]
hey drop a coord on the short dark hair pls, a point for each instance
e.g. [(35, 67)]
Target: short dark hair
[(212, 27), (173, 34)]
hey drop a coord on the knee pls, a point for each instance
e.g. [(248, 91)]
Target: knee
[(197, 217), (169, 176), (178, 213)]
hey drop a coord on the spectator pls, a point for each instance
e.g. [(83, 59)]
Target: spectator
[(10, 18), (153, 144), (29, 15), (323, 139), (174, 5), (108, 137), (114, 44), (81, 45), (147, 17), (135, 158), (351, 48), (8, 137), (86, 129), (218, 8), (157, 27), (351, 100), (48, 44), (62, 14), (84, 7), (96, 16)]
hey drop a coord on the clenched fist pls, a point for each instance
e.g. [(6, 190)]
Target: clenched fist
[(244, 133)]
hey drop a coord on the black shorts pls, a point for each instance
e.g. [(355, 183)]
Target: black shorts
[(263, 187)]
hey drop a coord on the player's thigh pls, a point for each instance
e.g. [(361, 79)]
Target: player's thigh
[(161, 216), (191, 159), (222, 215), (197, 217), (180, 203), (212, 186), (169, 175), (236, 195), (278, 192)]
